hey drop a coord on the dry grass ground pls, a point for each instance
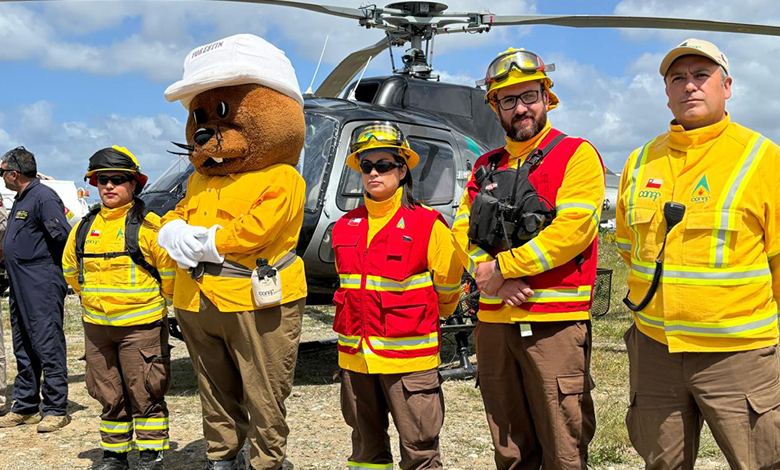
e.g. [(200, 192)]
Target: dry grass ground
[(319, 438)]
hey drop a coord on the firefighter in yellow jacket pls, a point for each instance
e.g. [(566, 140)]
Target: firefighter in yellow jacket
[(125, 281), (699, 209), (533, 337), (399, 274)]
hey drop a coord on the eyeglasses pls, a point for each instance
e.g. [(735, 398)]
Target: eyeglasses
[(524, 61), (528, 98), (384, 132), (3, 171), (382, 166), (115, 180)]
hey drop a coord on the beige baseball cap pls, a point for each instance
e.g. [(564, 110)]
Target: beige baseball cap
[(694, 46)]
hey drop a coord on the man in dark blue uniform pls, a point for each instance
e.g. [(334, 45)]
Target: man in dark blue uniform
[(34, 241)]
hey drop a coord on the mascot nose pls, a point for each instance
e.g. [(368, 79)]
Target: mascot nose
[(203, 135)]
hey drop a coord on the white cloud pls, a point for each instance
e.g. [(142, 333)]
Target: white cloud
[(63, 149)]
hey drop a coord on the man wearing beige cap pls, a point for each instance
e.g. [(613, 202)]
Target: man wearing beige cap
[(698, 222)]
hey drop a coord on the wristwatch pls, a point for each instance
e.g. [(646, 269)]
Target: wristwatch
[(498, 266)]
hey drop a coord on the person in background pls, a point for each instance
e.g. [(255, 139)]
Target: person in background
[(3, 362), (399, 275), (35, 238), (125, 282)]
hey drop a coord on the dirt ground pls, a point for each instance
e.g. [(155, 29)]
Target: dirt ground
[(319, 438)]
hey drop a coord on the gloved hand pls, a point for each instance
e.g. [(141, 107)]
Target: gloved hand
[(209, 254), (181, 242)]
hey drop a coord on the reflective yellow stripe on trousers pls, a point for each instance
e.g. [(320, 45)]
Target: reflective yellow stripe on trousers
[(369, 466)]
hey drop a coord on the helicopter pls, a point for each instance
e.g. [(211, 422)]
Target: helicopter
[(448, 125)]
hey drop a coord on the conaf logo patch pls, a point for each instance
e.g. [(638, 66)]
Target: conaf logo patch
[(701, 193), (646, 194)]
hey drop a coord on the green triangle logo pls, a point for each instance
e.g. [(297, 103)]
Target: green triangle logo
[(702, 188)]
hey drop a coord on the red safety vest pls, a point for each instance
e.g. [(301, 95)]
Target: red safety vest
[(386, 300), (547, 177)]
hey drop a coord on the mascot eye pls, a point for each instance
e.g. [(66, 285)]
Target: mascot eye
[(222, 109), (199, 116)]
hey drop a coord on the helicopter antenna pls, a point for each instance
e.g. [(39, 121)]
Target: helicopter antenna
[(352, 96), (309, 90)]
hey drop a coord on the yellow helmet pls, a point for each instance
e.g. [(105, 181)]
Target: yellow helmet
[(517, 66), (380, 135)]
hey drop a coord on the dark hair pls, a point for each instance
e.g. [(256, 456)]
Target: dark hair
[(22, 161), (407, 183)]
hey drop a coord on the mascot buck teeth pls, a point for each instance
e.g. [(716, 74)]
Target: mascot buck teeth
[(240, 220)]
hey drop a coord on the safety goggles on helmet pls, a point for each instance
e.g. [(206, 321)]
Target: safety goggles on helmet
[(382, 132), (525, 61), (115, 158), (381, 166)]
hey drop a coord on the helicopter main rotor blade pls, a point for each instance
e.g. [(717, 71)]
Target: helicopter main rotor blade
[(344, 12), (340, 77), (609, 21)]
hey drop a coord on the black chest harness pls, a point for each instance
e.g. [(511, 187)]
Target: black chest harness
[(508, 211), (133, 221)]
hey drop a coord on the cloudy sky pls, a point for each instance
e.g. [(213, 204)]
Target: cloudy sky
[(76, 76)]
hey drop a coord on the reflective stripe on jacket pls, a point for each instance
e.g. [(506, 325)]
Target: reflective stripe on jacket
[(571, 178), (720, 276), (261, 213), (116, 291), (399, 274)]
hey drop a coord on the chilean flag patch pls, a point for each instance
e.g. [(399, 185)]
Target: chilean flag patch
[(354, 222), (654, 183), (94, 233)]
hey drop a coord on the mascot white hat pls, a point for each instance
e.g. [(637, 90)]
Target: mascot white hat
[(235, 60)]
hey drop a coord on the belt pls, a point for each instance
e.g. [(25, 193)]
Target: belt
[(237, 270)]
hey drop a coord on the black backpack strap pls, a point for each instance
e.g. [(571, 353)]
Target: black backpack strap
[(495, 159), (133, 222), (81, 239), (538, 154)]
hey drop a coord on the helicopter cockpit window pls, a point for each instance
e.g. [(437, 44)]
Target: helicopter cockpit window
[(434, 176), (315, 155)]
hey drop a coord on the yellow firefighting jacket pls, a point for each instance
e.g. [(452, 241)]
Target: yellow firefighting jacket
[(116, 291), (573, 229), (721, 275), (261, 213), (446, 270)]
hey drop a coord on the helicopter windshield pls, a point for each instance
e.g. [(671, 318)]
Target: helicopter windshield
[(320, 132)]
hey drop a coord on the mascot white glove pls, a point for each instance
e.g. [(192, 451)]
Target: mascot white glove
[(181, 242), (209, 254)]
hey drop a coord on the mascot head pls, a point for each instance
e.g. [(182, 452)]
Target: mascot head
[(245, 107)]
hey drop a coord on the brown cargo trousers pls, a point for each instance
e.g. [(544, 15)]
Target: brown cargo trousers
[(129, 373), (536, 391), (672, 394), (416, 402), (245, 362)]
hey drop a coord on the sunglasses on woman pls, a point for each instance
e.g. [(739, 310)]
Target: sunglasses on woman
[(116, 180), (382, 166)]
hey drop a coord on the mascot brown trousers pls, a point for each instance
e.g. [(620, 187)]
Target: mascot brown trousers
[(245, 363)]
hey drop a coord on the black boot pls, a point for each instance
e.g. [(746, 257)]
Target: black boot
[(236, 463), (151, 460), (112, 461)]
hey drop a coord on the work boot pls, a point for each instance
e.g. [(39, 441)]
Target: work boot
[(51, 423), (151, 460), (236, 463), (112, 461), (15, 419)]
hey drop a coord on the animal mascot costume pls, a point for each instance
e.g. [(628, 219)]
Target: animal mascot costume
[(240, 288)]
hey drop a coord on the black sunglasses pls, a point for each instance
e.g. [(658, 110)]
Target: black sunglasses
[(382, 166), (116, 180)]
